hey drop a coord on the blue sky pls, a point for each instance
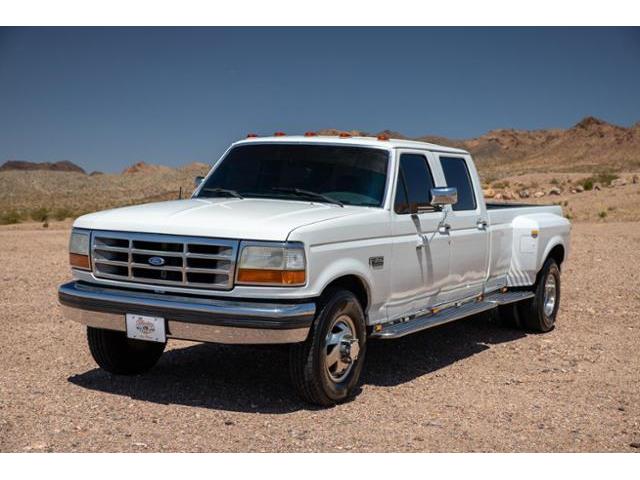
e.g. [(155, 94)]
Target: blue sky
[(105, 98)]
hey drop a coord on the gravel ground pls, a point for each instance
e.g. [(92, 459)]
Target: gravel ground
[(467, 386)]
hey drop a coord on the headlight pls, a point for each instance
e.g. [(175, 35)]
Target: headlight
[(271, 264), (79, 249)]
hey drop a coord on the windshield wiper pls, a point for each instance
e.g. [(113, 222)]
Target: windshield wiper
[(308, 193), (233, 193)]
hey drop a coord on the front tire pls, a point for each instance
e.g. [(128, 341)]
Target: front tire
[(325, 369), (539, 313), (116, 353)]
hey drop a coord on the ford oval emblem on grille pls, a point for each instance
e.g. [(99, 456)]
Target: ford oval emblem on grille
[(156, 261)]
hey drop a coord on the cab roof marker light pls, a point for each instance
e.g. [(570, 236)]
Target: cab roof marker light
[(252, 135), (279, 134), (310, 134)]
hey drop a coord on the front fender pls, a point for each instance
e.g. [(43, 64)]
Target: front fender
[(375, 281)]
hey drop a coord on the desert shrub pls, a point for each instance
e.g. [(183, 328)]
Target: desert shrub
[(487, 178), (602, 214), (587, 183), (40, 214), (10, 217), (606, 178), (502, 184), (569, 216), (62, 213), (602, 178), (555, 181)]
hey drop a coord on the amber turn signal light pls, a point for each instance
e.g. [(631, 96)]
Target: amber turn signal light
[(79, 261), (274, 277)]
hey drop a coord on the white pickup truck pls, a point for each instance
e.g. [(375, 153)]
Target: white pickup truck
[(324, 243)]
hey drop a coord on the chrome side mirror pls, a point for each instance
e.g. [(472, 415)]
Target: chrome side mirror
[(442, 196), (198, 180)]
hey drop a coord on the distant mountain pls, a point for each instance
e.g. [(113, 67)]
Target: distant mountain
[(62, 166), (143, 167), (590, 145), (25, 191)]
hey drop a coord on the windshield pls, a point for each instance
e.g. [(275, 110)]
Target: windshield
[(348, 175)]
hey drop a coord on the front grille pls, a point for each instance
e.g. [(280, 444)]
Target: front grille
[(164, 259)]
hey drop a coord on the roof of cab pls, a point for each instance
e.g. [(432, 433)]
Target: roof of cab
[(359, 141)]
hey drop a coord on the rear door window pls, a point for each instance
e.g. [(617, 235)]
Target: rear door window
[(414, 183), (456, 173)]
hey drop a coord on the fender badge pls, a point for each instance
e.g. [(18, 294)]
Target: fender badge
[(376, 262)]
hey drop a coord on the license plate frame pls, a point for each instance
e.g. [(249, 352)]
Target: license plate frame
[(146, 327)]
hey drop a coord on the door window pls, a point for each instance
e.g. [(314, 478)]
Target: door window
[(457, 175), (414, 184)]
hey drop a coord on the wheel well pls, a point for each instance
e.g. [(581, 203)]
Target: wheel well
[(557, 253), (355, 285)]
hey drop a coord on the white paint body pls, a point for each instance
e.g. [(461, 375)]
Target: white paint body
[(467, 261)]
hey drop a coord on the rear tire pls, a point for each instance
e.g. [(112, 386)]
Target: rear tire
[(116, 353), (325, 369), (539, 313)]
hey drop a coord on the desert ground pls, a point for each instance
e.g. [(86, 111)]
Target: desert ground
[(466, 386)]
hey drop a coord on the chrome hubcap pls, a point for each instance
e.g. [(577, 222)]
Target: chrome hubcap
[(341, 348), (550, 294)]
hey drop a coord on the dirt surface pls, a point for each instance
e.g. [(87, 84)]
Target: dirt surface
[(468, 386)]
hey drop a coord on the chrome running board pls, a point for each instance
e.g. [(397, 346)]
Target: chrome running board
[(508, 297), (408, 325)]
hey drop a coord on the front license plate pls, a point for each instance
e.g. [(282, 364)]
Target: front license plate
[(142, 327)]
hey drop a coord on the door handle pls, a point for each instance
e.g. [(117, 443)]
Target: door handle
[(444, 228), (481, 223)]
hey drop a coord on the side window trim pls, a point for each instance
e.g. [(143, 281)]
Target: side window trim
[(465, 162), (401, 185), (401, 180)]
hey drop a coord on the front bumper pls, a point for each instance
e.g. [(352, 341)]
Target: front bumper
[(190, 317)]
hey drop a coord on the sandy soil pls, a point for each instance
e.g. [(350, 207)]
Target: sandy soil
[(468, 386)]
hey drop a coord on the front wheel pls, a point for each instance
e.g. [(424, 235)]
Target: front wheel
[(116, 353), (539, 313), (325, 369)]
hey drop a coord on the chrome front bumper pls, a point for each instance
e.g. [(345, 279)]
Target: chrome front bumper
[(190, 318)]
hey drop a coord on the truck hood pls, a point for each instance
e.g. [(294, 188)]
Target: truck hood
[(249, 218)]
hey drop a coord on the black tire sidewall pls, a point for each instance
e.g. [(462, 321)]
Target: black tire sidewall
[(547, 322), (341, 302), (117, 354)]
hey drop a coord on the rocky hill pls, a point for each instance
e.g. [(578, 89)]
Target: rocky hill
[(62, 166), (537, 165), (590, 146), (143, 167), (73, 193)]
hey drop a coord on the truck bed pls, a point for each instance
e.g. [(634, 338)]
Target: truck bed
[(501, 213), (494, 205)]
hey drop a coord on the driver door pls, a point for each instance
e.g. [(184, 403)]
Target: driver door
[(420, 250)]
